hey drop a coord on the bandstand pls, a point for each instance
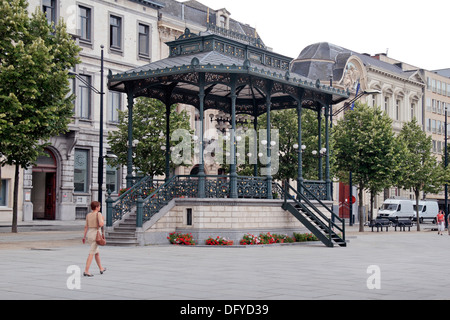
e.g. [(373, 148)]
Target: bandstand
[(226, 71)]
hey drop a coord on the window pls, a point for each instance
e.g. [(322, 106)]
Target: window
[(112, 179), (4, 193), (49, 8), (386, 105), (397, 109), (84, 97), (144, 40), (223, 21), (114, 105), (85, 23), (115, 32), (189, 216), (81, 164), (429, 104)]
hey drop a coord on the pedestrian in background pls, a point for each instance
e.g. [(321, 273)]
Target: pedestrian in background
[(94, 221), (440, 220)]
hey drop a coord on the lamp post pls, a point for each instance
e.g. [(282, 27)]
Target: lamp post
[(101, 156), (100, 151), (446, 165)]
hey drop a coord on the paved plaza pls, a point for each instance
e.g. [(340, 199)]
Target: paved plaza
[(46, 264)]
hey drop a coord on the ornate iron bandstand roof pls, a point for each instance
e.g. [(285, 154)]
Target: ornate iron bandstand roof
[(224, 57)]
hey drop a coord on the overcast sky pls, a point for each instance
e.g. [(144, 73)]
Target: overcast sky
[(414, 32)]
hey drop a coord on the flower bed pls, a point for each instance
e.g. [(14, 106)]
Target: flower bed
[(265, 238), (218, 241), (181, 239), (302, 237)]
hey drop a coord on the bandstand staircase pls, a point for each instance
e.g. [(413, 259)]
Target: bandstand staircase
[(124, 233), (148, 200), (322, 223)]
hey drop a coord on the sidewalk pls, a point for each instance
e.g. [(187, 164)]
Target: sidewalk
[(385, 265)]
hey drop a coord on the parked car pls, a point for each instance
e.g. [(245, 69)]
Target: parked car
[(428, 210), (397, 208)]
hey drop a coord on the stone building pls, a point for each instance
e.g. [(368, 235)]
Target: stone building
[(133, 33), (401, 91)]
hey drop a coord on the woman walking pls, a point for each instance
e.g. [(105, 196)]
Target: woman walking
[(440, 220), (94, 221)]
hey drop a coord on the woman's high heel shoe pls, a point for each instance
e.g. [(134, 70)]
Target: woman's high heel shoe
[(101, 271), (87, 274)]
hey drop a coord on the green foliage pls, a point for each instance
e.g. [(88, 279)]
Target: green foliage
[(420, 170), (286, 122), (149, 128), (34, 62), (364, 144)]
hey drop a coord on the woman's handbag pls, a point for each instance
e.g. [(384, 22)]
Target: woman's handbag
[(100, 238)]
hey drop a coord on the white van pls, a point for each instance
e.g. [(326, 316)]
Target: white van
[(428, 210), (396, 208)]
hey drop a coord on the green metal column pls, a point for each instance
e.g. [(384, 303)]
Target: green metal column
[(299, 150), (269, 151), (319, 146), (233, 174), (130, 98), (327, 156), (255, 150), (167, 142), (201, 166)]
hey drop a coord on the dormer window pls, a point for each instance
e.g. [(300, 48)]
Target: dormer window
[(223, 18), (223, 22)]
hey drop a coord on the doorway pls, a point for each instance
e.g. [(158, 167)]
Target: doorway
[(43, 195)]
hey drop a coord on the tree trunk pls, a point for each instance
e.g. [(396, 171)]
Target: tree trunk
[(372, 196), (417, 193), (15, 201), (360, 209)]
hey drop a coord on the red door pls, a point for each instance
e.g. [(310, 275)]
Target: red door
[(50, 195), (344, 207)]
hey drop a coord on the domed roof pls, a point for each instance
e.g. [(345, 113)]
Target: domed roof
[(321, 60), (321, 51)]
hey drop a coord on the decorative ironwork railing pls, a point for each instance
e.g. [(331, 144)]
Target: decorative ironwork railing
[(116, 209), (315, 189), (152, 195)]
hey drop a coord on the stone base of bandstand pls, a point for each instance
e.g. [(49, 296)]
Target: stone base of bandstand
[(228, 218)]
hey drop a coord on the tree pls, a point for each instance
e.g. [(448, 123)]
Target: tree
[(34, 89), (149, 128), (286, 122), (364, 144), (420, 170)]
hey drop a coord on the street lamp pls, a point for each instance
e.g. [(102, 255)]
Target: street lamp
[(101, 156), (446, 165)]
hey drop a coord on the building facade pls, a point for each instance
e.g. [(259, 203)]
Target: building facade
[(133, 33), (400, 94)]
